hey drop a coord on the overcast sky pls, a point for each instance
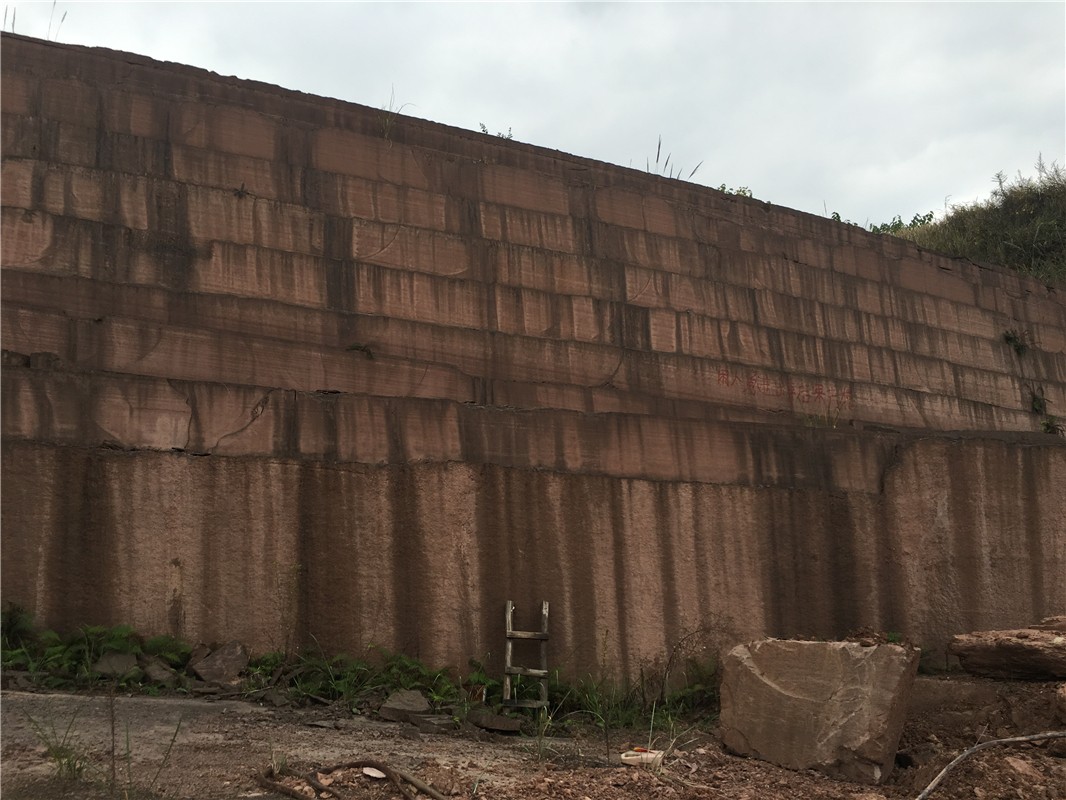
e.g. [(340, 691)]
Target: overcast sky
[(868, 109)]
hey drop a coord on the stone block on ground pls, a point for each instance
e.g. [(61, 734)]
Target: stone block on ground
[(159, 671), (115, 665), (433, 723), (402, 704), (836, 707), (487, 720), (224, 665), (1037, 653)]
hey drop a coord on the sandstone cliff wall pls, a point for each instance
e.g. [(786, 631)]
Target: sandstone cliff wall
[(278, 366)]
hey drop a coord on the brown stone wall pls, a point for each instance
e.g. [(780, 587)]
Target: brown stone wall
[(950, 535), (278, 366)]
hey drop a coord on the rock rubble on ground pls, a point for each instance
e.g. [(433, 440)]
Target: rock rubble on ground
[(222, 666), (400, 706)]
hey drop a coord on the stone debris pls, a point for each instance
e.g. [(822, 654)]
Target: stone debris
[(402, 704), (836, 707), (1035, 653), (276, 698), (159, 671), (1060, 703), (1023, 768), (487, 720), (224, 665), (115, 665), (433, 723)]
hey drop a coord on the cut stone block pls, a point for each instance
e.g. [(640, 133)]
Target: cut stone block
[(836, 707)]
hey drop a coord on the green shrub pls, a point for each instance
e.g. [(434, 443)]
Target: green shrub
[(1021, 226)]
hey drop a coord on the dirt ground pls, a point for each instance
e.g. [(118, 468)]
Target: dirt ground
[(220, 746)]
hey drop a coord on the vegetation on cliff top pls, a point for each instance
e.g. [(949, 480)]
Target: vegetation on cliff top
[(1021, 226)]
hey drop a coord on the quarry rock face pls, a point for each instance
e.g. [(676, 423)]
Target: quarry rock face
[(836, 707), (1036, 653), (259, 354)]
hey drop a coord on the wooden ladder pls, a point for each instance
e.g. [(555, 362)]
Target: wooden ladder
[(510, 669)]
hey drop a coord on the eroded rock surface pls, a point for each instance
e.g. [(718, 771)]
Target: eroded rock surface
[(1036, 653), (836, 707)]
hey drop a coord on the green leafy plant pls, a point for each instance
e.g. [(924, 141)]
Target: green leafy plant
[(1037, 402), (173, 651), (16, 627), (501, 134), (896, 224), (1018, 340), (480, 686), (742, 191), (400, 671)]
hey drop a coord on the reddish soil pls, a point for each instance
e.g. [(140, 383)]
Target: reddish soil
[(221, 745)]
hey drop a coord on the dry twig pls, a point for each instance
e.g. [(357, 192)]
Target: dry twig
[(398, 778)]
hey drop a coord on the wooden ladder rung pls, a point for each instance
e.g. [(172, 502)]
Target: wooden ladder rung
[(527, 635), (532, 673), (527, 703)]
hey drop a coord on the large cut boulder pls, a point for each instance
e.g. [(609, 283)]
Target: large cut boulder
[(1036, 653), (837, 707)]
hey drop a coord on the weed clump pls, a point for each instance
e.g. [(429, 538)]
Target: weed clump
[(1021, 226)]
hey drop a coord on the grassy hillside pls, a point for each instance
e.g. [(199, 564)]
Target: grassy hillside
[(1021, 226)]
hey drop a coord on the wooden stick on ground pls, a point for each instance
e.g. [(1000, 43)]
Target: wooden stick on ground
[(321, 788), (395, 775), (1036, 737), (265, 780), (398, 778)]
